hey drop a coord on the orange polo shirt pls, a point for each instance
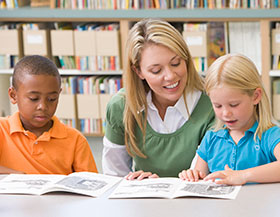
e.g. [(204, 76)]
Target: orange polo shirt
[(61, 150)]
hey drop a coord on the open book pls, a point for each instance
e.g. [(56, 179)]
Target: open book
[(173, 188), (85, 183)]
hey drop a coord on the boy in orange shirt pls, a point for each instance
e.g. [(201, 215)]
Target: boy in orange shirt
[(33, 140)]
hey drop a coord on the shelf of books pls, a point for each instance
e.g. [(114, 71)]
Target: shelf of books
[(87, 44), (85, 99), (275, 66), (87, 56), (140, 4), (276, 98)]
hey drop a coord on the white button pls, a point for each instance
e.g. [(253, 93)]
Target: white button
[(36, 142)]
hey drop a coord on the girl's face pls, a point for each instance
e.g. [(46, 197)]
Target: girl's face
[(165, 73), (234, 107)]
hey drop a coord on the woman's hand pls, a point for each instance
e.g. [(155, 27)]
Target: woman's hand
[(139, 175), (191, 175), (228, 177)]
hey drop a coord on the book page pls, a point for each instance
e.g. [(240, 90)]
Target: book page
[(172, 188), (146, 188), (27, 184), (206, 189), (86, 183)]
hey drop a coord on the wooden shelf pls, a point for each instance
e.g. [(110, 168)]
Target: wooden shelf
[(93, 134), (47, 14), (6, 71), (274, 73), (72, 72), (79, 72)]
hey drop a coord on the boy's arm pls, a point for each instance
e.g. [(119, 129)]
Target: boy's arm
[(84, 160), (6, 170), (262, 174)]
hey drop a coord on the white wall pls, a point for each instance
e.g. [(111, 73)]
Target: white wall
[(96, 147)]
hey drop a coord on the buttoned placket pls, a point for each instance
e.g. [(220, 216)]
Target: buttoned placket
[(233, 154), (33, 142)]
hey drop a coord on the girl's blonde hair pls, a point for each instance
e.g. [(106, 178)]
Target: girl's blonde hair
[(143, 34), (238, 71)]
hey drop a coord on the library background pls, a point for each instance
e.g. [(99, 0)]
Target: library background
[(86, 39)]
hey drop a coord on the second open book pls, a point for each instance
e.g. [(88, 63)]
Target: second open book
[(173, 188)]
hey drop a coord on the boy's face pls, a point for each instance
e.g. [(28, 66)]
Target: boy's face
[(37, 98)]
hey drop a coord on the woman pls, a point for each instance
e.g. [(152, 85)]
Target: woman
[(160, 117)]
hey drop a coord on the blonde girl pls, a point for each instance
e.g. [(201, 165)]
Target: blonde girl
[(244, 144)]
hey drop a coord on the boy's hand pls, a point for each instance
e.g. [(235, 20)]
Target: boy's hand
[(228, 177), (191, 175), (139, 175)]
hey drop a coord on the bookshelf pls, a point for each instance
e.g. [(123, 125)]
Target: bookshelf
[(72, 72), (181, 14), (125, 18)]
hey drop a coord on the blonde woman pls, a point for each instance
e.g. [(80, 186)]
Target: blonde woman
[(244, 144), (154, 125)]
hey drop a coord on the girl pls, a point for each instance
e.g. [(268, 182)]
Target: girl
[(244, 144)]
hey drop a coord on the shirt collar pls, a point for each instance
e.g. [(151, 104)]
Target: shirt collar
[(15, 123), (192, 99), (225, 132), (254, 127), (58, 129)]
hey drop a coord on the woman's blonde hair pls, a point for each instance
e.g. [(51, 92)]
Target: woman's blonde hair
[(143, 34), (238, 71)]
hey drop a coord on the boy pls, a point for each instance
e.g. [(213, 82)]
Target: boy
[(33, 141)]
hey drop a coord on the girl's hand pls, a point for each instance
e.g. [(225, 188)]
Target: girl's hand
[(228, 177), (191, 175), (139, 175)]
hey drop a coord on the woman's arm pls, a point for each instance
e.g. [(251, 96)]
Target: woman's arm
[(115, 159), (117, 162), (262, 174)]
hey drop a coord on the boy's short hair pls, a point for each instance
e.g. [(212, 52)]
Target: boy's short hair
[(34, 65)]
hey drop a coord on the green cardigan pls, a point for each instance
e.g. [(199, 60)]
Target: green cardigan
[(167, 154)]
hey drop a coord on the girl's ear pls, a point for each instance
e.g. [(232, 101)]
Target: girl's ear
[(12, 95), (138, 72), (257, 95)]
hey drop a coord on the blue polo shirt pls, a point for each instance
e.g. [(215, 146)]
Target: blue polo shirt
[(219, 149)]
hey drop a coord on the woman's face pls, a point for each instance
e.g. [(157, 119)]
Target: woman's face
[(165, 73)]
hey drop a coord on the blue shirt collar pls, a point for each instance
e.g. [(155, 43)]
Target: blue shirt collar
[(225, 133)]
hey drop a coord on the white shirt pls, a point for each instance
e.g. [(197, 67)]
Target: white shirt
[(115, 159)]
